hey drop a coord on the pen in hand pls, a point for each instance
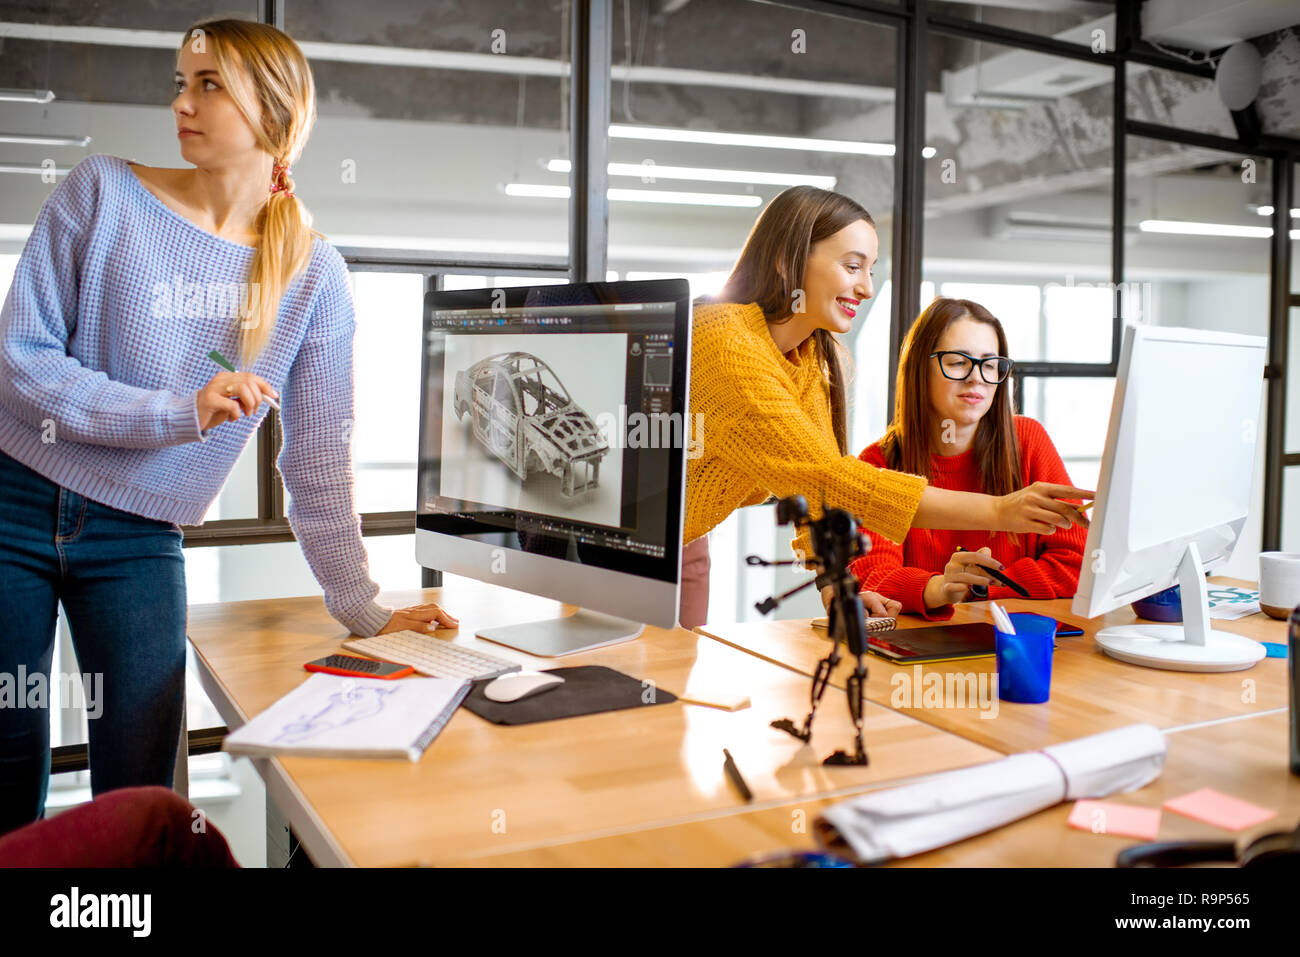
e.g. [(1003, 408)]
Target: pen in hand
[(1000, 576), (229, 366)]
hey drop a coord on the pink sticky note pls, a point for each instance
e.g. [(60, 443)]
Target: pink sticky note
[(1221, 810), (1108, 817)]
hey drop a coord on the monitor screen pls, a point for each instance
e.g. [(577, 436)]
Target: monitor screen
[(553, 422)]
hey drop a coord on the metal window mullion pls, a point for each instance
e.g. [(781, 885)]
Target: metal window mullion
[(1269, 147), (909, 186), (271, 12), (589, 92), (1127, 19), (865, 11), (1279, 333)]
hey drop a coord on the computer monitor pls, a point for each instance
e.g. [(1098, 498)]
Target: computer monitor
[(553, 439), (1174, 491)]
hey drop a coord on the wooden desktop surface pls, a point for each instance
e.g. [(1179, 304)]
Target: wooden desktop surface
[(1246, 758), (1090, 692), (483, 789)]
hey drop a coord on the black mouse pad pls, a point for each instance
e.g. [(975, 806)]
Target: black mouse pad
[(587, 689)]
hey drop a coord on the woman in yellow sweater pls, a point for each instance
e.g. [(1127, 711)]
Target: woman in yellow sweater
[(769, 398)]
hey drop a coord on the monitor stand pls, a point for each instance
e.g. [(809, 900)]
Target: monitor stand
[(554, 637), (1191, 646)]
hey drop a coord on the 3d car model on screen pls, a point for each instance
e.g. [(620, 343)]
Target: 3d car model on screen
[(523, 415)]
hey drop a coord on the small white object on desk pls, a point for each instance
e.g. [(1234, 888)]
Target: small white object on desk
[(723, 700)]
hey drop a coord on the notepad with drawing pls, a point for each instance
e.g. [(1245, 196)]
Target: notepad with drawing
[(336, 717)]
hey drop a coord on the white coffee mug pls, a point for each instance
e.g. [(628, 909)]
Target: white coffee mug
[(1279, 583)]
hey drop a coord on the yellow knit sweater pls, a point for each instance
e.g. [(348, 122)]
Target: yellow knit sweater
[(761, 425)]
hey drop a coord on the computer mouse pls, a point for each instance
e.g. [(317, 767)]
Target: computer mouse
[(520, 684)]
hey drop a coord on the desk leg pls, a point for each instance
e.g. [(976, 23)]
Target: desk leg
[(282, 847)]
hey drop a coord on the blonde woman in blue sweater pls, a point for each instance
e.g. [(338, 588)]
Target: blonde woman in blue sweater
[(114, 432)]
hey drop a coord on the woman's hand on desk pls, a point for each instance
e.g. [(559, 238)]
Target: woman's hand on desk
[(420, 618), (875, 605), (1038, 508)]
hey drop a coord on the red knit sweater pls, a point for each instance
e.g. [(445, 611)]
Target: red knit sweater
[(1046, 565)]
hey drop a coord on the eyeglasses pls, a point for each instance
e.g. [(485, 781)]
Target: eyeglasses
[(957, 365)]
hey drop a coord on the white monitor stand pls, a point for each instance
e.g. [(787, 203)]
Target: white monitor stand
[(555, 637), (1191, 646)]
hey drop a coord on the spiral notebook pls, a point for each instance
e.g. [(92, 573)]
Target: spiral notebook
[(873, 624), (330, 716)]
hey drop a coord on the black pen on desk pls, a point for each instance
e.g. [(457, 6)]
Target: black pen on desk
[(733, 772), (1006, 580), (229, 366)]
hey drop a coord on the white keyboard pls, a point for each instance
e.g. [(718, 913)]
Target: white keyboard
[(432, 656)]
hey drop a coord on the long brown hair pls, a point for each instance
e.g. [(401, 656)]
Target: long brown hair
[(906, 445), (771, 268), (266, 73)]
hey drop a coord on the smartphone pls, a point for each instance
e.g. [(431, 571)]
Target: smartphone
[(359, 667), (1067, 631)]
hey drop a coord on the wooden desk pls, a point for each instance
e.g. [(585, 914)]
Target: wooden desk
[(1091, 691), (1246, 758), (484, 789)]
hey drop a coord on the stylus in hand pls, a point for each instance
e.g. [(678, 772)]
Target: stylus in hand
[(1006, 580)]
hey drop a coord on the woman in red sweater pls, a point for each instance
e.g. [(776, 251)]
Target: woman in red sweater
[(953, 424)]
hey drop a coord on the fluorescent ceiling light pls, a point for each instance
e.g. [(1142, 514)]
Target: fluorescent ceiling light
[(35, 168), (537, 190), (1181, 228), (43, 139), (655, 171), (684, 199), (664, 134), (639, 195), (1268, 211), (27, 96)]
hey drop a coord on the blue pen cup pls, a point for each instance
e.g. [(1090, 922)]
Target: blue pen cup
[(1025, 659)]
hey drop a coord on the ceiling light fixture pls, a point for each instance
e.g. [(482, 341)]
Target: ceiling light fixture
[(663, 134), (27, 96), (652, 171), (44, 139), (1183, 228), (543, 191)]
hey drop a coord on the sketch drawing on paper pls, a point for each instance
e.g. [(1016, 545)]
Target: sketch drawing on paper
[(347, 705), (524, 416)]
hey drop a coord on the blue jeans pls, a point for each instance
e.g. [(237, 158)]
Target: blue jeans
[(121, 579)]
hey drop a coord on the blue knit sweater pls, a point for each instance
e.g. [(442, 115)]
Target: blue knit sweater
[(115, 304)]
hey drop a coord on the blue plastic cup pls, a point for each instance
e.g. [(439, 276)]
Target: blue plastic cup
[(1025, 659)]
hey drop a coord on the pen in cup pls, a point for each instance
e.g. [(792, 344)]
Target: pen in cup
[(1002, 619), (229, 366)]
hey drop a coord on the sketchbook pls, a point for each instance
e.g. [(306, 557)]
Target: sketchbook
[(332, 716), (874, 625)]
